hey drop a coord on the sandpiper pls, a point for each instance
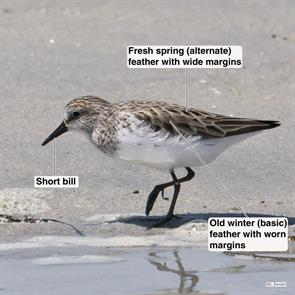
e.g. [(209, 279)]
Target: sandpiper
[(144, 132)]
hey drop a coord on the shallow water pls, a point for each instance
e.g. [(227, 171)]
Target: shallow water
[(146, 270)]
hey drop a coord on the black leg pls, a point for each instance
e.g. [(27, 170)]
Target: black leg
[(189, 176), (175, 195), (176, 183), (161, 187), (154, 195)]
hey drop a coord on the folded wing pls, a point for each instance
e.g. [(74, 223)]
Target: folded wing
[(192, 121)]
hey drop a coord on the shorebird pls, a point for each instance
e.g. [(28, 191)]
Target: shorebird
[(156, 134)]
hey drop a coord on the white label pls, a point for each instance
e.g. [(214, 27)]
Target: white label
[(276, 284), (248, 234), (56, 181), (179, 57)]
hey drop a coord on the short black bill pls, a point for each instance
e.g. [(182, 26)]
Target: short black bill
[(62, 128)]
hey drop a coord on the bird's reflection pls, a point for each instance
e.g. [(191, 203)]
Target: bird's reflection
[(187, 279)]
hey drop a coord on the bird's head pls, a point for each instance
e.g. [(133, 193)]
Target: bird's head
[(80, 113)]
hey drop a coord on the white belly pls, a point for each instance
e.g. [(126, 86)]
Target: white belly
[(163, 152)]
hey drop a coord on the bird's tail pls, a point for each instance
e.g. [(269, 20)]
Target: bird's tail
[(253, 126)]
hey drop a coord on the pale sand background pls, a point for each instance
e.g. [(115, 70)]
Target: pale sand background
[(89, 57)]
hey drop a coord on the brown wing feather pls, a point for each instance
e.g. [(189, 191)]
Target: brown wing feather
[(192, 121)]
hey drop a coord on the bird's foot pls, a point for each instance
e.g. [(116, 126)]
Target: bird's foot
[(152, 198), (163, 196)]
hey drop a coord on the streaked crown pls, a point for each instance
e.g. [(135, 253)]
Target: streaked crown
[(83, 112)]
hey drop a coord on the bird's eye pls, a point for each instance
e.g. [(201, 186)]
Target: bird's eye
[(76, 114)]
